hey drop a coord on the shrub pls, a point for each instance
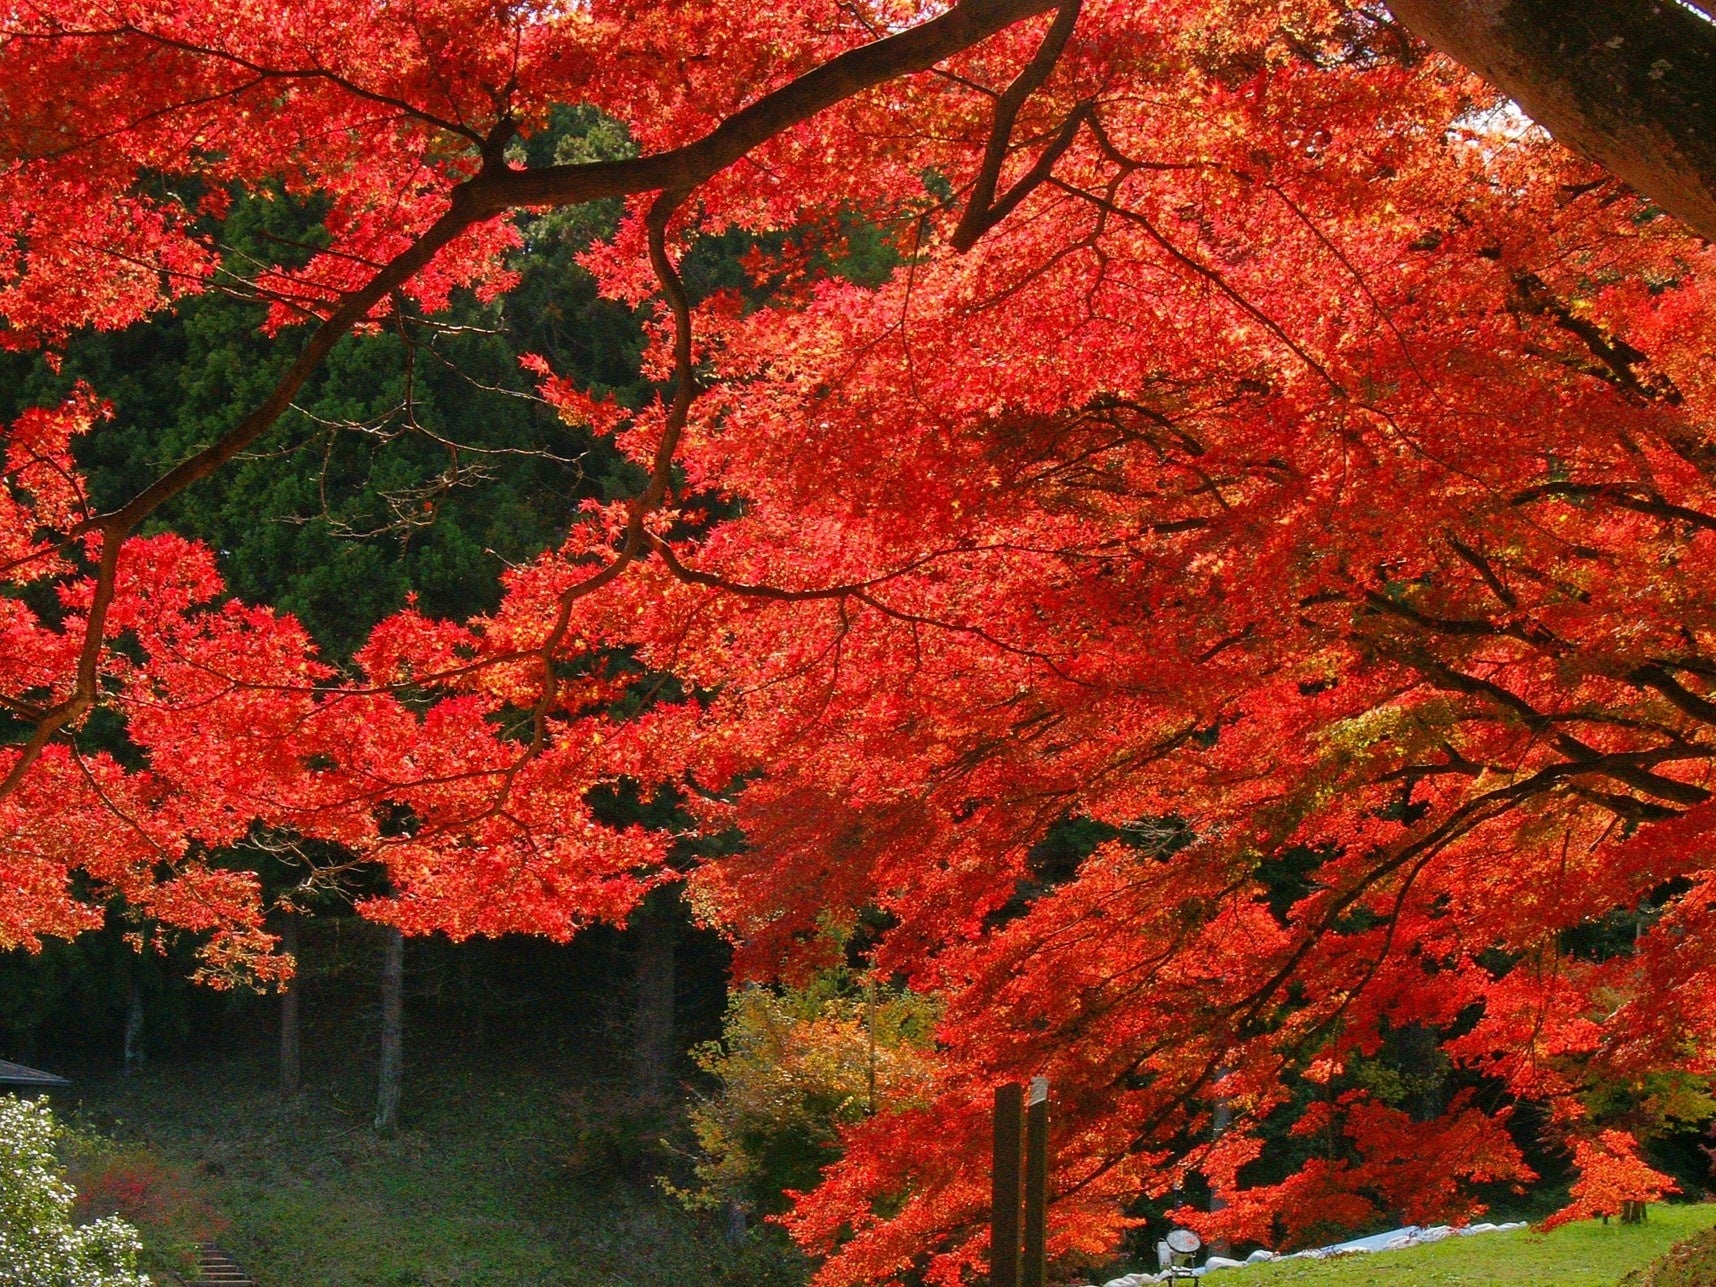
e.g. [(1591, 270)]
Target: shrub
[(1613, 1180), (792, 1067), (40, 1243), (134, 1183)]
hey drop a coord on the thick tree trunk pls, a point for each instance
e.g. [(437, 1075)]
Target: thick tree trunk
[(1629, 84), (291, 1062), (653, 926), (392, 1032), (1421, 1059)]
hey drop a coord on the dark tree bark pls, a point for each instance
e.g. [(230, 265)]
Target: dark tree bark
[(471, 1002), (134, 1052), (653, 926), (733, 1223), (1421, 1059), (392, 1068), (1221, 1121), (291, 1063), (1629, 84)]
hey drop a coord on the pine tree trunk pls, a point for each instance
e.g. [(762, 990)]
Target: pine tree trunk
[(1421, 1059), (134, 1053), (471, 1001), (653, 925), (392, 1032), (291, 1063), (733, 1226)]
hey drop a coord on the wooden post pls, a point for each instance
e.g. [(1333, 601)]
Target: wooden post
[(1221, 1120), (1004, 1198), (1035, 1269)]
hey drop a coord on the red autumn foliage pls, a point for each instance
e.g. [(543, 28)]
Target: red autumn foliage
[(1611, 1175), (1268, 433), (1418, 1171), (137, 1186)]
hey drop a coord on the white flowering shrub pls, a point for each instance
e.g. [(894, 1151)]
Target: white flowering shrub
[(40, 1246)]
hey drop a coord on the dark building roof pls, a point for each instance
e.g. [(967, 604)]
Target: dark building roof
[(18, 1075)]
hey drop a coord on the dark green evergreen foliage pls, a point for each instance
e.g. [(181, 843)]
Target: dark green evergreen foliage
[(1055, 859), (65, 1006), (355, 501), (360, 496), (517, 998), (1615, 934), (1289, 876), (848, 246)]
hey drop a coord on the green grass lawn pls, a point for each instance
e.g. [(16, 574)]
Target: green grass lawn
[(1585, 1254), (496, 1181)]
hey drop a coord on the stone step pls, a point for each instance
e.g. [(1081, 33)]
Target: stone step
[(217, 1268)]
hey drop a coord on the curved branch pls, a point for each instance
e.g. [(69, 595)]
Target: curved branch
[(916, 49), (982, 210)]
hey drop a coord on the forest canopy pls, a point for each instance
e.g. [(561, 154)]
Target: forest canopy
[(1224, 428)]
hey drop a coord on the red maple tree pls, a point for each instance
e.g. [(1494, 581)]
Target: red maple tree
[(1611, 1176), (1267, 438)]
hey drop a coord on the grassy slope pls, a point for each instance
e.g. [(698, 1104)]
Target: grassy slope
[(1691, 1264), (485, 1187), (1586, 1254)]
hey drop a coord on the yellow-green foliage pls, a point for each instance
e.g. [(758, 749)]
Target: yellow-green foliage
[(1656, 1105), (792, 1067)]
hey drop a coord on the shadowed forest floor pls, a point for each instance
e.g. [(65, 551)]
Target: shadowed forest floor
[(500, 1178), (506, 1177)]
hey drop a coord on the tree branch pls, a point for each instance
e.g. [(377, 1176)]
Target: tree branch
[(1626, 83), (982, 211)]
